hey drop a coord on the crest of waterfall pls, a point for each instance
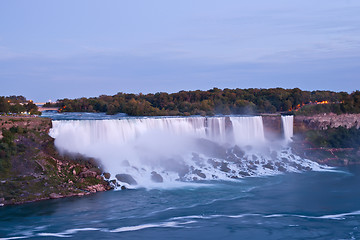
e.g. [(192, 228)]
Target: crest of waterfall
[(172, 150), (288, 126)]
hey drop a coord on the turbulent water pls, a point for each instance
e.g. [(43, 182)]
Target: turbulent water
[(205, 192), (167, 152)]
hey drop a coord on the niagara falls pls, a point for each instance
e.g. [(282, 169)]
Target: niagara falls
[(176, 177), (141, 152), (158, 119)]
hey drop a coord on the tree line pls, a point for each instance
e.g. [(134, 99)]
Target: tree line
[(17, 104), (215, 101)]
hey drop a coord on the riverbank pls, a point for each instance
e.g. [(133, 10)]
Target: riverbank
[(31, 169)]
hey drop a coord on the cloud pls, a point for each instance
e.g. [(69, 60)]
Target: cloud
[(91, 75), (184, 45), (6, 53)]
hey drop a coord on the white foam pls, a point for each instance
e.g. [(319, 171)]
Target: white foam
[(68, 233), (53, 235), (178, 150), (339, 216), (12, 238), (171, 224)]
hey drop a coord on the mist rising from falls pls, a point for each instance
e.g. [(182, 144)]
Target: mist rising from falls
[(149, 151)]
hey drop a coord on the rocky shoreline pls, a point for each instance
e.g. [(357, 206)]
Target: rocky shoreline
[(31, 169)]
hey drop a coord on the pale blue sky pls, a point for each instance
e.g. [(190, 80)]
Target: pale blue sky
[(66, 48)]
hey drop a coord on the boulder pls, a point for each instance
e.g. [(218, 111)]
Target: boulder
[(87, 173), (126, 178), (199, 173), (244, 174), (238, 151), (224, 167), (211, 149), (155, 177), (269, 166), (55, 196), (107, 175), (96, 188)]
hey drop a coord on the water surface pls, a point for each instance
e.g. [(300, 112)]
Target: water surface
[(311, 205)]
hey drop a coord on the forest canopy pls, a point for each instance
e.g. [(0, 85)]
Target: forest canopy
[(216, 101), (17, 104)]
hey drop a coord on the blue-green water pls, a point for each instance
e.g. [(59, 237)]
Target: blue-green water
[(309, 205)]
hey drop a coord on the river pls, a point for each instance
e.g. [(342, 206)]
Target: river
[(316, 203)]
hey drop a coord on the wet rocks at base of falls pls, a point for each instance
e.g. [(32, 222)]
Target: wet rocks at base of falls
[(199, 173), (211, 148), (280, 167), (238, 151), (268, 166), (176, 164), (107, 175), (244, 174), (126, 178), (224, 167), (235, 163), (155, 177)]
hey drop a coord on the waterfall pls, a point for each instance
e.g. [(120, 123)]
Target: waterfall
[(288, 126), (174, 150), (75, 135), (248, 130)]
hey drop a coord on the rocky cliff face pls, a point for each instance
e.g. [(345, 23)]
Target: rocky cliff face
[(303, 146), (31, 169), (272, 126), (324, 121), (310, 128)]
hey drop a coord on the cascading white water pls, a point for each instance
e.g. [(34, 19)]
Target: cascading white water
[(170, 150), (288, 127), (248, 130)]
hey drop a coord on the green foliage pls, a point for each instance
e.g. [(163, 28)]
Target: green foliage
[(4, 105), (312, 109), (17, 104), (214, 101), (335, 137), (17, 108), (351, 103), (7, 149), (32, 108)]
